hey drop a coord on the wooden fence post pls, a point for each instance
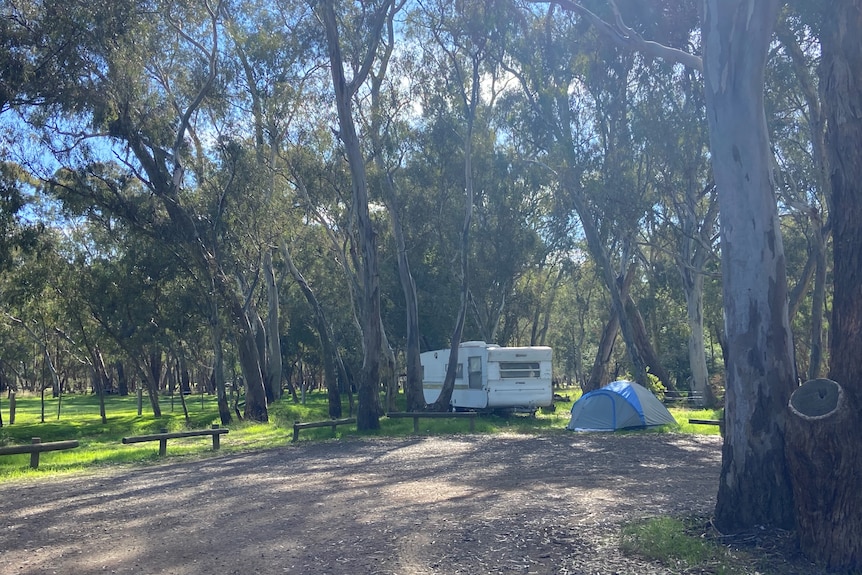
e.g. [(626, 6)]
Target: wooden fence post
[(216, 440), (34, 456)]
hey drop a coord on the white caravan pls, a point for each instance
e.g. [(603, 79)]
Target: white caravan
[(498, 378)]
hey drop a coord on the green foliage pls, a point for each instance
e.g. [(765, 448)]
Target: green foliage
[(262, 160), (655, 386)]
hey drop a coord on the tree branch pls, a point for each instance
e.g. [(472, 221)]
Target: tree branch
[(625, 37)]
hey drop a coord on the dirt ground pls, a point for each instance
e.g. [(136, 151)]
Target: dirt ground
[(471, 504)]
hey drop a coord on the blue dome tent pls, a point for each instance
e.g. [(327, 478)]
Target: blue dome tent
[(618, 405)]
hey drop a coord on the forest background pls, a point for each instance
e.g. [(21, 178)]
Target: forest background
[(271, 194)]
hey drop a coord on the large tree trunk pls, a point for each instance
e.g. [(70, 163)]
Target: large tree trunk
[(122, 382), (259, 331), (823, 455), (368, 412), (249, 361), (839, 441), (841, 68), (152, 375), (754, 488), (273, 338), (603, 262), (645, 347), (600, 375), (696, 346), (218, 364)]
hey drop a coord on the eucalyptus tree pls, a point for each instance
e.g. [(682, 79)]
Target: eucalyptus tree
[(578, 313), (432, 178), (390, 115), (142, 94), (30, 308), (243, 219), (279, 64), (830, 521), (798, 126), (512, 205), (282, 65), (669, 123), (20, 242), (322, 256), (16, 234), (82, 330), (354, 37), (120, 295), (577, 99), (754, 486), (527, 318), (461, 44)]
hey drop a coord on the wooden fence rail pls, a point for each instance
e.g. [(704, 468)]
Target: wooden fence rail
[(718, 422), (36, 447), (333, 423), (163, 437)]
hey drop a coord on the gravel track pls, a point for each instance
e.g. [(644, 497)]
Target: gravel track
[(471, 504)]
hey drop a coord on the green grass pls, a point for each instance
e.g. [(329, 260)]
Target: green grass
[(687, 546), (682, 416), (673, 543), (100, 443)]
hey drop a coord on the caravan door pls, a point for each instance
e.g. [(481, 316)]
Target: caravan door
[(469, 392)]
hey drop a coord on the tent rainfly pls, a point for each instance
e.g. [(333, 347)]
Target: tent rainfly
[(618, 405)]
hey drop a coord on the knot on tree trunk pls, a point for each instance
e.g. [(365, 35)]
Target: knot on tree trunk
[(817, 399), (823, 455)]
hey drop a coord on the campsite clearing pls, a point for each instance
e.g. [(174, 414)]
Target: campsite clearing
[(510, 503)]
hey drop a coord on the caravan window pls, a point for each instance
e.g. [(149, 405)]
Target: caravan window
[(474, 368), (519, 369)]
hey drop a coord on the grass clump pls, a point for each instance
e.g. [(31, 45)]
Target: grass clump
[(672, 542)]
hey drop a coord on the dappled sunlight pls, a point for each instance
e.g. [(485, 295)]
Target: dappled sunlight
[(335, 506), (454, 446), (426, 491)]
